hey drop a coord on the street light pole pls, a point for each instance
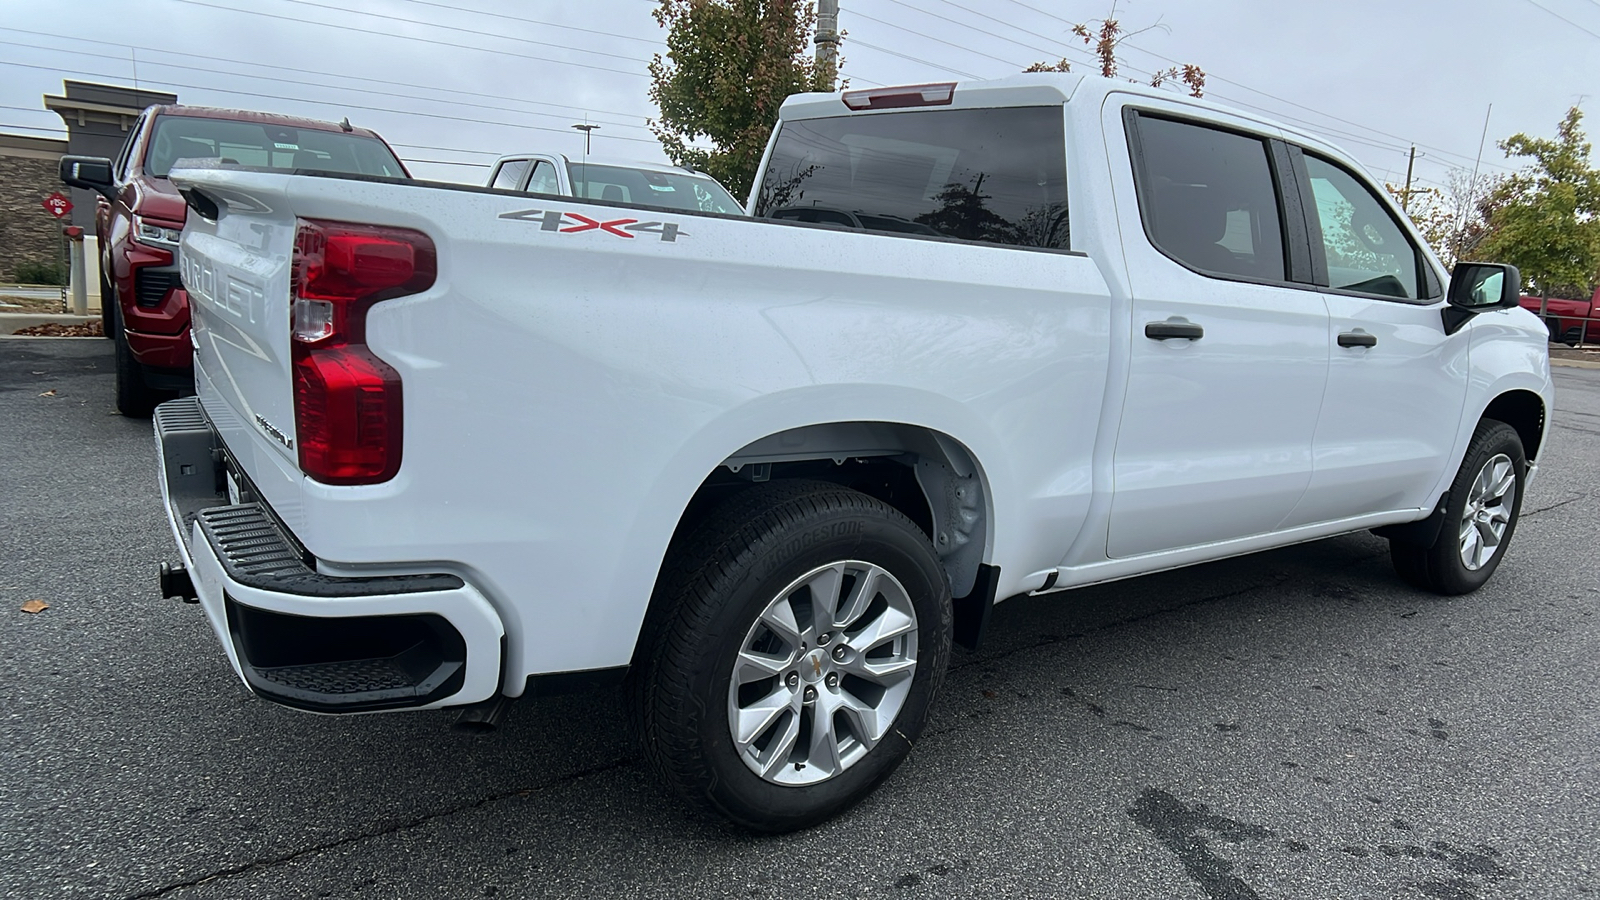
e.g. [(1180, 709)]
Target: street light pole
[(588, 132)]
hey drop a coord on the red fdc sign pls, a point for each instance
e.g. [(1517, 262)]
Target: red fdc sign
[(57, 205)]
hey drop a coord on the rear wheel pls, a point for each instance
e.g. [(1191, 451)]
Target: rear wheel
[(135, 398), (808, 629), (1479, 520)]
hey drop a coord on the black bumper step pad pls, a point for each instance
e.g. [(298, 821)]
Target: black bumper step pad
[(355, 676), (255, 552)]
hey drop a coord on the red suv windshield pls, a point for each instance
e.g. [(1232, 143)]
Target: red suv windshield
[(267, 145)]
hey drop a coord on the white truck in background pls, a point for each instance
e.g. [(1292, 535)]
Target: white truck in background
[(613, 181), (452, 446)]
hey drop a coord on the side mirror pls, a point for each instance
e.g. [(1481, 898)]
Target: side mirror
[(92, 173), (1477, 288)]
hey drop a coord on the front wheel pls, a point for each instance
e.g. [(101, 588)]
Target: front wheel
[(809, 628), (1485, 501), (135, 398)]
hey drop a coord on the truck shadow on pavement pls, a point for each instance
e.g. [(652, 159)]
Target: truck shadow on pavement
[(1147, 678)]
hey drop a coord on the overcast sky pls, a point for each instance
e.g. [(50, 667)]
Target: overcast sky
[(454, 84)]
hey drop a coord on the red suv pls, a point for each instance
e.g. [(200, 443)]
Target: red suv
[(139, 219)]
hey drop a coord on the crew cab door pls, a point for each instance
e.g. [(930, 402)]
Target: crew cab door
[(1227, 358), (1397, 383)]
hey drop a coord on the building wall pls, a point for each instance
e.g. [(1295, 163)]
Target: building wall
[(98, 117), (28, 174)]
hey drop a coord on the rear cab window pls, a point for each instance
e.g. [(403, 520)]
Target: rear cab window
[(675, 190), (994, 175), (266, 145)]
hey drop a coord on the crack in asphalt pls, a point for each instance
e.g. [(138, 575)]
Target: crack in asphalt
[(407, 825), (1544, 509)]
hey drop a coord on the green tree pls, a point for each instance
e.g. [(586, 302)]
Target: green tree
[(728, 67), (1431, 212), (1546, 218)]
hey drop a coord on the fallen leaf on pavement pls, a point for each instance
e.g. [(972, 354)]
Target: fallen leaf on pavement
[(49, 393), (35, 606)]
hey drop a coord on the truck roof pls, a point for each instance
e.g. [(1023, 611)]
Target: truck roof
[(246, 115), (1036, 89)]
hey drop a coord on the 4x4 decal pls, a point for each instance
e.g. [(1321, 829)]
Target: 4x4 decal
[(572, 223)]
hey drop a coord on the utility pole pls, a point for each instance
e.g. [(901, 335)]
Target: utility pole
[(1405, 195), (827, 40)]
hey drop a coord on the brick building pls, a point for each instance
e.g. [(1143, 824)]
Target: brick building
[(97, 117), (28, 174)]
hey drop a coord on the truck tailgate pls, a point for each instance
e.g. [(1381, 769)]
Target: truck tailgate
[(236, 266)]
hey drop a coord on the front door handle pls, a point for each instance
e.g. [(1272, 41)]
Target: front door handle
[(1358, 339), (1161, 331)]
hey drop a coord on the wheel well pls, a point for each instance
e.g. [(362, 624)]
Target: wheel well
[(924, 474), (1524, 411)]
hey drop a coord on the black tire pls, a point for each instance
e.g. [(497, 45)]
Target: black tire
[(1440, 568), (716, 584), (108, 306), (135, 398)]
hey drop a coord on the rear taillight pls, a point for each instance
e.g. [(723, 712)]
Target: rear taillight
[(347, 401)]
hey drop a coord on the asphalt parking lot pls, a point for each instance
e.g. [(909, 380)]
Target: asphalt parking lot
[(1293, 724)]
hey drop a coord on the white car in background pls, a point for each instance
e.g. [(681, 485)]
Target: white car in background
[(592, 178)]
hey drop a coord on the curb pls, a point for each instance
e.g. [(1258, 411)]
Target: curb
[(1576, 363), (11, 323)]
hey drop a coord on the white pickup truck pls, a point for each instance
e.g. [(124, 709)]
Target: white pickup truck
[(453, 446), (594, 178)]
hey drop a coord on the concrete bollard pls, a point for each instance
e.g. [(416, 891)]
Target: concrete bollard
[(77, 274)]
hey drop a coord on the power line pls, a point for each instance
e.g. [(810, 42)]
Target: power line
[(304, 71), (445, 162), (213, 71), (449, 149), (484, 12), (1403, 142), (928, 37), (939, 66), (1564, 19), (58, 131), (336, 105), (500, 36), (1128, 67), (407, 37), (982, 31)]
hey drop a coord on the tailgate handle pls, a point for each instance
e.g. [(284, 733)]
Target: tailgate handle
[(1358, 339), (1161, 331)]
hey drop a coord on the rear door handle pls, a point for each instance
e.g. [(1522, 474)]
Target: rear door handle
[(1358, 339), (1161, 331)]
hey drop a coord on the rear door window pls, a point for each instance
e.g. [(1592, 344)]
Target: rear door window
[(1208, 199), (992, 175)]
